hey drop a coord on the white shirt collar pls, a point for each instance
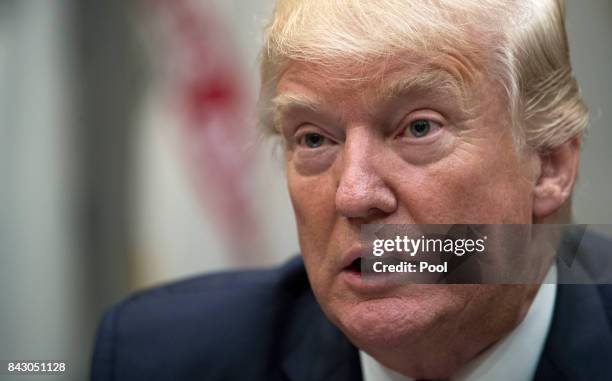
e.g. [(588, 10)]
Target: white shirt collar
[(499, 363)]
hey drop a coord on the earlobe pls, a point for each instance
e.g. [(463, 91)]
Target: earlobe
[(557, 175)]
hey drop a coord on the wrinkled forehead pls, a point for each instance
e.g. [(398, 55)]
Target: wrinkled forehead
[(446, 74)]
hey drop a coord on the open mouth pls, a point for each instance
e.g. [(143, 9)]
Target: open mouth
[(355, 266)]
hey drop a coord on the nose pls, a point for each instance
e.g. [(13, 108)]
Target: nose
[(362, 191)]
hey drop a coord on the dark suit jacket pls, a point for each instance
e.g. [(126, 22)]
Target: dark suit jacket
[(266, 325)]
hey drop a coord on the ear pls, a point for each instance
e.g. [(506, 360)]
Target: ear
[(558, 171)]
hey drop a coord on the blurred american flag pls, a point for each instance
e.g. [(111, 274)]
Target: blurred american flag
[(206, 85)]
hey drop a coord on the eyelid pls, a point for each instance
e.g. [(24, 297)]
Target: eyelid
[(425, 114)]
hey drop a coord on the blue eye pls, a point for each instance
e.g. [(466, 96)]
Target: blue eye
[(420, 128), (313, 140)]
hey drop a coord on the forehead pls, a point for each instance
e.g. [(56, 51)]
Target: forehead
[(309, 86)]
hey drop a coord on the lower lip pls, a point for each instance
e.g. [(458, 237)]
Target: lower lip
[(373, 283)]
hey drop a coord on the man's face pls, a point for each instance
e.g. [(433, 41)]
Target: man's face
[(387, 152)]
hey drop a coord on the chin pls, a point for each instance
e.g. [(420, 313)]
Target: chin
[(394, 320)]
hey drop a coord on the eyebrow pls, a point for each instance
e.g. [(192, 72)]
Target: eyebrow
[(431, 80), (286, 103)]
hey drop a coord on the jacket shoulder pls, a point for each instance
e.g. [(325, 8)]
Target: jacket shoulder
[(196, 327), (288, 278)]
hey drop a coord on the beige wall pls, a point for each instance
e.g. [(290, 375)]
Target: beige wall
[(589, 25)]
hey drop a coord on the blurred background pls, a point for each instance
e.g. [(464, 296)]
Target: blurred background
[(128, 156)]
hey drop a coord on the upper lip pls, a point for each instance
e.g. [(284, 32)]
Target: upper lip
[(350, 255)]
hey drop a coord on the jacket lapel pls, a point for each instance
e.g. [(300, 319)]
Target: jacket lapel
[(579, 344)]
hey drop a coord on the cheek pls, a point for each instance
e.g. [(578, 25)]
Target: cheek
[(313, 204), (314, 207), (471, 187)]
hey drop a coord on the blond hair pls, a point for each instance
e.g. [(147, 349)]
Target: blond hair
[(522, 43)]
